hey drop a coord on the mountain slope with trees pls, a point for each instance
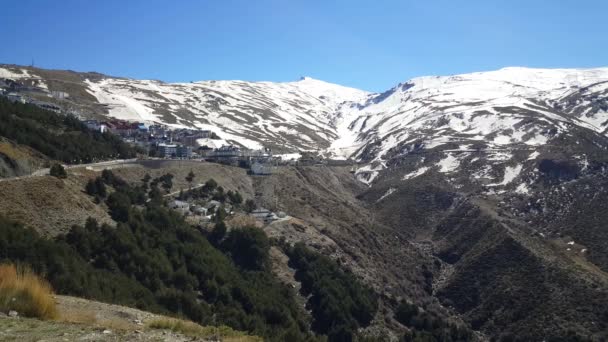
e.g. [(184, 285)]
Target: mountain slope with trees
[(56, 136)]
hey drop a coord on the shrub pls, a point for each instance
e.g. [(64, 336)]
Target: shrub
[(235, 197), (209, 186), (190, 178), (96, 187), (23, 291), (58, 171)]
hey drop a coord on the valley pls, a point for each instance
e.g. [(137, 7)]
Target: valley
[(477, 198)]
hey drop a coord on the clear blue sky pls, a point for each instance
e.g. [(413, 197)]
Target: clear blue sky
[(371, 45)]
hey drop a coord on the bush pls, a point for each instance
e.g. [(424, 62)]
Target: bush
[(23, 291), (209, 186), (96, 187), (58, 171), (235, 197)]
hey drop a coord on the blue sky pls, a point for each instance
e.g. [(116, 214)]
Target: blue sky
[(371, 45)]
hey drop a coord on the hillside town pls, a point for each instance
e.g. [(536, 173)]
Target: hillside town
[(164, 142)]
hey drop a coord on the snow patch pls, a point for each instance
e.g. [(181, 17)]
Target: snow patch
[(533, 155), (13, 75), (522, 189), (511, 172), (448, 164), (289, 156), (416, 173), (386, 194)]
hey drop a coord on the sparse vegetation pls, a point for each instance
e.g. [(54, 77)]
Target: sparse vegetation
[(425, 326), (23, 291), (192, 329)]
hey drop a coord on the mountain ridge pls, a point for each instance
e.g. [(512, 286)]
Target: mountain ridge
[(344, 122)]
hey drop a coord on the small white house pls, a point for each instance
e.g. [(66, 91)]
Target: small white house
[(264, 215), (199, 210), (181, 206)]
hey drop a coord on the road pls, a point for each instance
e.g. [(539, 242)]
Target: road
[(192, 188), (45, 171)]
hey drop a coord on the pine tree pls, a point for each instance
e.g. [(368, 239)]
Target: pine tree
[(190, 178), (58, 171)]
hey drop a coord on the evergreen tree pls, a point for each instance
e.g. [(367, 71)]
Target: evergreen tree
[(146, 181), (57, 170), (91, 187), (190, 178), (250, 205), (209, 186), (166, 182)]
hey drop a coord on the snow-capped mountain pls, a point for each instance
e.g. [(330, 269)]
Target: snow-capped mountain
[(288, 116), (490, 115), (498, 108), (253, 114), (496, 112)]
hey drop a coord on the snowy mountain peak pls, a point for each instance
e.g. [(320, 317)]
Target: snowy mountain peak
[(513, 105)]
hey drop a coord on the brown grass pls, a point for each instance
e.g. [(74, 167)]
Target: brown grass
[(79, 316), (241, 221), (23, 291), (192, 329)]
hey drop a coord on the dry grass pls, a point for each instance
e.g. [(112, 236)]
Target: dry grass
[(79, 316), (12, 151), (23, 291), (192, 329), (242, 221)]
